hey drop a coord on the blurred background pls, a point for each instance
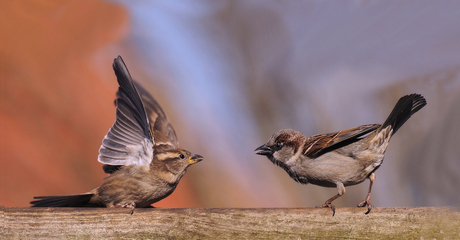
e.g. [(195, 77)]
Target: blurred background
[(229, 74)]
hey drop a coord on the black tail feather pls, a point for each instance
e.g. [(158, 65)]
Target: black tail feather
[(403, 110), (77, 200)]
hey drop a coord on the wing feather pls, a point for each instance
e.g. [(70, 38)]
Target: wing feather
[(129, 140), (162, 130), (322, 143)]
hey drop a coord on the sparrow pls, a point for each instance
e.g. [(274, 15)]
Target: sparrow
[(140, 152), (339, 159)]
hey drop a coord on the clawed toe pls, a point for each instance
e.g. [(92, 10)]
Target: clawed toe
[(328, 202), (127, 205), (328, 205), (132, 206), (364, 204)]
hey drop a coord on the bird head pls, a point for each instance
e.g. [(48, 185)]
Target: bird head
[(282, 146), (172, 164)]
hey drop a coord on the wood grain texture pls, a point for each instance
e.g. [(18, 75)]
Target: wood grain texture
[(209, 223)]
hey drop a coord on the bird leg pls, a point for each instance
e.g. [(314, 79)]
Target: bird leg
[(328, 203), (367, 201), (131, 205)]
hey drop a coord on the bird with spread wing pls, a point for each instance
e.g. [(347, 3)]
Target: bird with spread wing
[(140, 152)]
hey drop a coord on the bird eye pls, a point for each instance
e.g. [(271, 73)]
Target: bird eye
[(278, 145), (181, 156)]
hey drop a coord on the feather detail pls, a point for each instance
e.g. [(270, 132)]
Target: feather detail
[(129, 140), (319, 144), (160, 127)]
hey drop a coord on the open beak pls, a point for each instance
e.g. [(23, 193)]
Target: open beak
[(194, 159), (264, 150)]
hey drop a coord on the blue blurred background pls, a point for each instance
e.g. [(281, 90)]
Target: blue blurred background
[(229, 74)]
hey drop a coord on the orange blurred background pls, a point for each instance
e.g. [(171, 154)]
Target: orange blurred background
[(229, 74), (57, 96)]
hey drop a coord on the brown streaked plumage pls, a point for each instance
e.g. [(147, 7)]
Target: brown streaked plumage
[(140, 152), (339, 159)]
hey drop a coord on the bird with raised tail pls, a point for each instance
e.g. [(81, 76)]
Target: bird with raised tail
[(342, 158), (140, 152)]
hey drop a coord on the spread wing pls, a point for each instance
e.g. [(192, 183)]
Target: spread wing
[(322, 143), (129, 140), (163, 132)]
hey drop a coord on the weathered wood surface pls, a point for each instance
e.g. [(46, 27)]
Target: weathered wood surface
[(209, 223)]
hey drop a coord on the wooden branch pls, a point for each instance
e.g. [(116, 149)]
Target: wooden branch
[(211, 223)]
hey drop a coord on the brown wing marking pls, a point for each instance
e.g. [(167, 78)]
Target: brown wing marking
[(160, 127), (322, 143)]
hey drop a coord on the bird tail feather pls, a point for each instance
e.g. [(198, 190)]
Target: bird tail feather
[(77, 200), (403, 110)]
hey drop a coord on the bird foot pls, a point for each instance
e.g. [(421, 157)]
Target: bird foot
[(328, 205), (131, 205), (365, 203)]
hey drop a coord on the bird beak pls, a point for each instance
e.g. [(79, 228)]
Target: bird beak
[(194, 159), (263, 150)]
